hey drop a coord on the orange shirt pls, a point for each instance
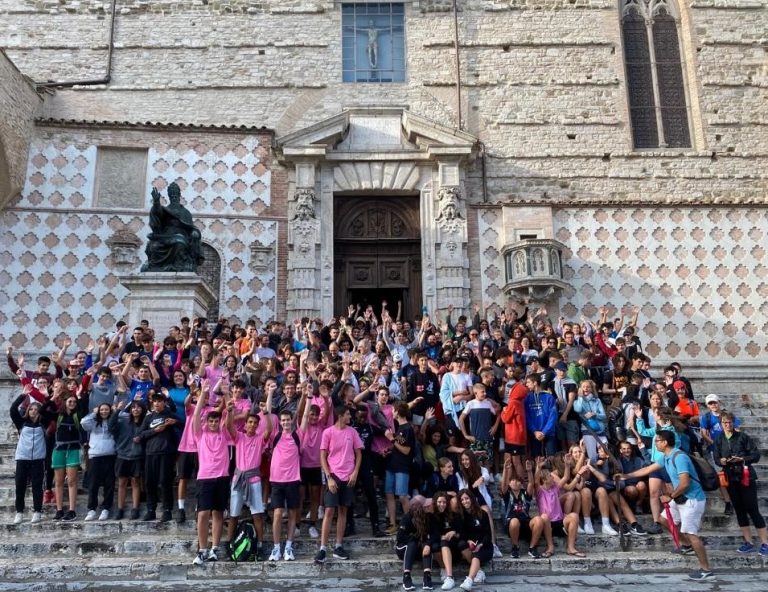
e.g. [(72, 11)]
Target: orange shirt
[(688, 408)]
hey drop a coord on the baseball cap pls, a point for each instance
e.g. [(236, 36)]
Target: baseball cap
[(712, 399), (678, 384), (397, 358), (561, 366)]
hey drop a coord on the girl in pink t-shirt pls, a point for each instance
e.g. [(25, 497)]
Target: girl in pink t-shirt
[(548, 488)]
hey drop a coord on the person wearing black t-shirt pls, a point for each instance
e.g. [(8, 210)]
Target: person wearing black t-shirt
[(399, 464), (423, 389), (517, 504)]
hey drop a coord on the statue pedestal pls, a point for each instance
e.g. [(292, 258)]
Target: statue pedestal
[(162, 298)]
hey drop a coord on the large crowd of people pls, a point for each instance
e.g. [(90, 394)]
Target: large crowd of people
[(438, 418)]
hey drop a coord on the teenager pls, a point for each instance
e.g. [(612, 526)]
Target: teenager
[(415, 538), (101, 454), (126, 426), (476, 543), (285, 477), (447, 523), (399, 462), (517, 504), (159, 438), (65, 459)]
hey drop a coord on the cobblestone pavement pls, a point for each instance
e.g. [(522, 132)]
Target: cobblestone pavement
[(743, 581)]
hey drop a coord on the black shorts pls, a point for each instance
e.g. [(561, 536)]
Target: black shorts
[(285, 495), (344, 496), (558, 530), (125, 468), (525, 528), (514, 449), (311, 476), (186, 465), (213, 494)]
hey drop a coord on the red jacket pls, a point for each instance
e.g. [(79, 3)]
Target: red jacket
[(513, 415)]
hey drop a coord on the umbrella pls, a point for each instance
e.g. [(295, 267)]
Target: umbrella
[(672, 526)]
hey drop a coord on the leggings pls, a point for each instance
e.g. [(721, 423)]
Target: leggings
[(159, 472), (410, 551), (102, 474), (744, 501), (33, 470), (50, 444)]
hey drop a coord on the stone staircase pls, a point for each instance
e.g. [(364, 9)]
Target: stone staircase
[(128, 553)]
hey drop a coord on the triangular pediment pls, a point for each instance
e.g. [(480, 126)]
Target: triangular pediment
[(366, 132)]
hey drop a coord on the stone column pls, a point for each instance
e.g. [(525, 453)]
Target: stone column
[(303, 247), (451, 259)]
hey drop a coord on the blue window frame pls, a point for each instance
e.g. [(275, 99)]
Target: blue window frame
[(373, 42)]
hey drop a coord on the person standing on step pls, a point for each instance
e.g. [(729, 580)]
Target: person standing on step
[(341, 452), (737, 453), (126, 426), (186, 459), (159, 440), (31, 422), (212, 476), (399, 464), (285, 477), (102, 454), (66, 452)]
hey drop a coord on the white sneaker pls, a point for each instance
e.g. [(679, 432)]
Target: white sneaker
[(320, 512), (104, 515), (466, 584), (497, 554), (91, 515), (201, 557), (588, 528), (448, 583), (479, 577), (36, 517), (18, 518), (288, 554), (275, 554), (313, 532), (610, 530), (309, 516), (296, 533), (580, 530)]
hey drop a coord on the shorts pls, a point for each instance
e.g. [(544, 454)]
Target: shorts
[(237, 501), (396, 483), (514, 449), (186, 466), (688, 515), (311, 476), (526, 534), (285, 495), (344, 496), (661, 474), (558, 530), (125, 468), (65, 459), (213, 494)]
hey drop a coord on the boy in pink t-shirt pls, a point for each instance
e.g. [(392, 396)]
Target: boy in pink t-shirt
[(340, 457), (212, 476), (285, 476), (311, 429)]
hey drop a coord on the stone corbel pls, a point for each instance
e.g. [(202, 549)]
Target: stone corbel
[(123, 245), (261, 257)]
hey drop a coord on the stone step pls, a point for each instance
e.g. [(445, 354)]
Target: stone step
[(140, 568)]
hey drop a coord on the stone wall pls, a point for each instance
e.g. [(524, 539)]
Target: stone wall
[(19, 105), (60, 275)]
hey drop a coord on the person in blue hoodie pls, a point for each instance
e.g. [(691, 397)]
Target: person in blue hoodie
[(540, 418)]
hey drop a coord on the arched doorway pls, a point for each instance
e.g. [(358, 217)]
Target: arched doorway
[(377, 253)]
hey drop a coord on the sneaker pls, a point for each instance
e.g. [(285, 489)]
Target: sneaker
[(427, 581), (18, 518), (745, 548), (625, 529), (391, 529), (728, 511), (104, 515), (497, 554), (275, 554), (201, 557), (479, 577), (655, 528), (588, 528), (49, 497), (637, 530), (167, 516), (150, 515), (320, 512), (120, 515), (59, 515), (610, 530), (288, 554), (533, 552), (683, 550), (320, 557), (515, 552), (700, 574), (213, 554), (340, 553), (135, 514), (91, 515), (36, 517), (314, 534), (466, 584), (763, 547), (408, 582), (181, 516), (580, 530), (448, 583), (69, 516)]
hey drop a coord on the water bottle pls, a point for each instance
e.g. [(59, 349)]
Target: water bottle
[(745, 476)]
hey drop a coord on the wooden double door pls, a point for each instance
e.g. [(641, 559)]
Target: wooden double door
[(377, 253)]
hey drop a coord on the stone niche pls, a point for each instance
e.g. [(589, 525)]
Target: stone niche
[(534, 270)]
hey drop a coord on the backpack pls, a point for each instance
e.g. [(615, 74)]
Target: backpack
[(294, 435), (243, 547), (617, 424), (705, 474)]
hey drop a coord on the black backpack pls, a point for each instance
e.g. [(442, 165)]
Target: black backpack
[(617, 426), (294, 435), (705, 474), (243, 546)]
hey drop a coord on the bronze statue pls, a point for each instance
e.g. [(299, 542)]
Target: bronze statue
[(174, 243)]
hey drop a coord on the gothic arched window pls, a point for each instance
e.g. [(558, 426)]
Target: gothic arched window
[(210, 271), (654, 68)]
